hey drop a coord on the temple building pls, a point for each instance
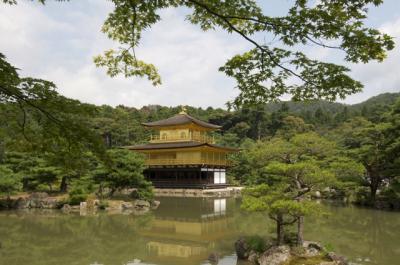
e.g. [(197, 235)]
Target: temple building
[(182, 154)]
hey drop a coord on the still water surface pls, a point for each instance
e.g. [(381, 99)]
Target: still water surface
[(183, 231)]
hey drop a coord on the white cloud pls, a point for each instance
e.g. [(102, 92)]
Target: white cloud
[(22, 29)]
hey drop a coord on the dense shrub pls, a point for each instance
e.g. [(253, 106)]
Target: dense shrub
[(257, 243), (144, 192), (77, 195)]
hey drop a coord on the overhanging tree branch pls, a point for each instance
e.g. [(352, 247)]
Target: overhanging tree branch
[(256, 44), (21, 98)]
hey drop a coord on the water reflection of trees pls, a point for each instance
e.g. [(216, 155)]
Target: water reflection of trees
[(359, 233), (182, 231), (69, 239)]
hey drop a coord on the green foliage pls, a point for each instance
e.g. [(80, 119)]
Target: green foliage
[(123, 62), (228, 139), (257, 198), (124, 170), (9, 181), (45, 175), (256, 243), (289, 169), (303, 147), (291, 126), (347, 170), (329, 247), (265, 72), (314, 24), (392, 133), (392, 192), (276, 199), (77, 195), (302, 174), (144, 191), (50, 140), (281, 202), (37, 145), (241, 171), (34, 117), (374, 146)]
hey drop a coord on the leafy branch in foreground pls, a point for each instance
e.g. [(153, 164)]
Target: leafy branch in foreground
[(268, 70), (41, 120), (265, 72)]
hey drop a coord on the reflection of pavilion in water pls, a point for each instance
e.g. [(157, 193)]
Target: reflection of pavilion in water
[(187, 229)]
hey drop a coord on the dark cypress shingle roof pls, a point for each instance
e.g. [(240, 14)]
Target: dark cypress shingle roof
[(180, 119), (176, 145)]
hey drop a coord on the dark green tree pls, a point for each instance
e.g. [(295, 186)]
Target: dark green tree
[(9, 181), (123, 171), (292, 126), (287, 171), (300, 179), (375, 146)]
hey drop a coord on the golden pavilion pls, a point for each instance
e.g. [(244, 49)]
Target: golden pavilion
[(182, 154)]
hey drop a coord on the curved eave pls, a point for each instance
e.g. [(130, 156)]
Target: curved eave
[(146, 147), (182, 145), (182, 124), (181, 119)]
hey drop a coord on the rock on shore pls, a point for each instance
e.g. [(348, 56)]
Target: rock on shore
[(242, 248), (41, 200), (276, 255), (285, 254)]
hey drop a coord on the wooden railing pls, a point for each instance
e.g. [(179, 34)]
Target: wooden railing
[(177, 138), (186, 161), (187, 185)]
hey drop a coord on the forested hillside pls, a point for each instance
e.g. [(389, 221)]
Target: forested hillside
[(122, 125), (75, 148)]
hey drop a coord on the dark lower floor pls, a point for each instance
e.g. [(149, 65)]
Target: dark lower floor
[(187, 177)]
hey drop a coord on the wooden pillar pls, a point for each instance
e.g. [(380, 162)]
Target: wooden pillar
[(199, 176)]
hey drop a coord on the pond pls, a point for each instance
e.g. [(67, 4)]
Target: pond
[(183, 231)]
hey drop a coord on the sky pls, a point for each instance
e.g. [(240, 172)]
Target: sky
[(58, 41)]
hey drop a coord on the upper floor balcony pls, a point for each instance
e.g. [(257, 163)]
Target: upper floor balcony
[(187, 161), (183, 137)]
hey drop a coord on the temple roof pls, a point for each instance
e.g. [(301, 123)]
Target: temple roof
[(175, 145), (181, 119)]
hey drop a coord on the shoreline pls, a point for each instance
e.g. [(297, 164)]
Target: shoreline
[(56, 201), (199, 193)]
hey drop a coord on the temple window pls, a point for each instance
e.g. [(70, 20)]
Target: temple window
[(183, 135)]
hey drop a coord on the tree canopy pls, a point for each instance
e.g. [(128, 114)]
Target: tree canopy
[(268, 70)]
